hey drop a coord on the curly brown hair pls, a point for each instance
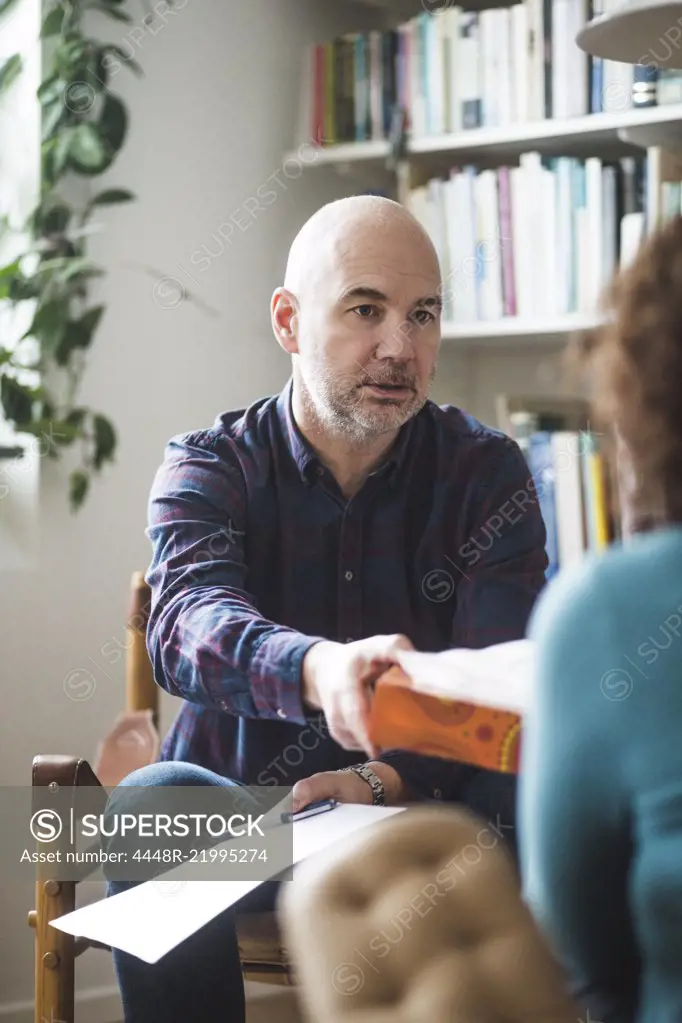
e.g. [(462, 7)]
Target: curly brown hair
[(634, 368)]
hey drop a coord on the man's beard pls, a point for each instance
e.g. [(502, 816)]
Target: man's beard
[(341, 404)]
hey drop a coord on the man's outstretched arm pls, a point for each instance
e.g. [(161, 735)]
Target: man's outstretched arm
[(207, 640)]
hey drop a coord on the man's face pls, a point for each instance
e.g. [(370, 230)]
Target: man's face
[(368, 335)]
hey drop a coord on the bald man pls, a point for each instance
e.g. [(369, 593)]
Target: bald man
[(300, 543)]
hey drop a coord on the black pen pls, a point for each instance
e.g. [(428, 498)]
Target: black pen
[(311, 810)]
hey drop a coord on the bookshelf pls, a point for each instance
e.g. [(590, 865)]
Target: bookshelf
[(434, 64), (609, 132)]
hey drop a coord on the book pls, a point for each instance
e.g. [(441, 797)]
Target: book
[(460, 704), (541, 464), (454, 69), (547, 234)]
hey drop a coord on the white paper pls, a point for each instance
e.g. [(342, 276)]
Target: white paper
[(499, 676), (152, 918)]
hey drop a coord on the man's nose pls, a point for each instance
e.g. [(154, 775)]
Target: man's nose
[(397, 342)]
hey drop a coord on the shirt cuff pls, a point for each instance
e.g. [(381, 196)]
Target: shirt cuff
[(276, 676), (426, 777)]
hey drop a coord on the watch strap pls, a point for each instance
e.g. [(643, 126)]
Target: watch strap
[(373, 780)]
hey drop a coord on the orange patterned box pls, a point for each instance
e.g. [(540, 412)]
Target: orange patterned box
[(404, 718)]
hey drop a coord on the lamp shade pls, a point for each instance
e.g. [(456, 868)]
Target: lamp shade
[(639, 32)]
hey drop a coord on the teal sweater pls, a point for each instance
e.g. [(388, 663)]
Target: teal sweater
[(600, 798)]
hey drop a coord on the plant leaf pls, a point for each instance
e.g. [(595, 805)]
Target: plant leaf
[(5, 6), (8, 274), (50, 89), (55, 218), (79, 483), (113, 122), (64, 431), (49, 322), (61, 151), (52, 115), (87, 325), (105, 440), (9, 71), (16, 399), (52, 25), (112, 195), (21, 288), (77, 334), (122, 56), (9, 269), (75, 417), (87, 149), (65, 267)]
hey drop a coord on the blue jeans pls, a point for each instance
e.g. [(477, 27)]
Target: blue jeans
[(201, 978)]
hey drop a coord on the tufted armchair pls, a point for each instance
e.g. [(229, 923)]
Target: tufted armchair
[(420, 919)]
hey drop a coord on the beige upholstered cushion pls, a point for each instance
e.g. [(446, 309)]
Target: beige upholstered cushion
[(419, 920), (259, 939)]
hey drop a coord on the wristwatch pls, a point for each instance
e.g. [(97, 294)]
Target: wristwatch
[(373, 780)]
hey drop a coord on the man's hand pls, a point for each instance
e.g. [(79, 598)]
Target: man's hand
[(347, 787), (337, 679)]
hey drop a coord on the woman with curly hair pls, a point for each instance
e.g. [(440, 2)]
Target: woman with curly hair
[(601, 780)]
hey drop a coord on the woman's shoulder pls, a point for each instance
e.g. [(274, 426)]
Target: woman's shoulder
[(640, 573)]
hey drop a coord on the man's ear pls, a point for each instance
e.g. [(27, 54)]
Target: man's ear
[(284, 316)]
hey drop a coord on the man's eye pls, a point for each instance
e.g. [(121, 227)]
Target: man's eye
[(366, 311), (424, 316)]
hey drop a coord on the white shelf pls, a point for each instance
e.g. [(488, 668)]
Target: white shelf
[(593, 130), (346, 152), (512, 331), (648, 126)]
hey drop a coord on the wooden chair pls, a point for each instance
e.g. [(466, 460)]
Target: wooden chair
[(262, 955)]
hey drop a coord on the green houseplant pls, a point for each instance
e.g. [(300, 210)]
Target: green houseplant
[(83, 128)]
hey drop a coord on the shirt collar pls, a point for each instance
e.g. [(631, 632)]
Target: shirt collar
[(301, 451), (305, 457)]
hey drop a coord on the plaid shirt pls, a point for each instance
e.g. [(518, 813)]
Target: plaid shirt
[(257, 554)]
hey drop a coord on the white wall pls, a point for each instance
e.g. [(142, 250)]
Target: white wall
[(209, 124)]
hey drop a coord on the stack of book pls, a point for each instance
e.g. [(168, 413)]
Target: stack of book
[(456, 69), (573, 485), (542, 239)]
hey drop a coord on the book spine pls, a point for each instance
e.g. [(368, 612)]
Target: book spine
[(506, 242), (504, 67), (547, 27), (597, 469), (375, 85), (568, 497), (559, 102), (579, 65), (542, 470), (329, 91), (360, 88), (470, 71), (389, 78), (454, 104), (520, 242), (520, 63), (318, 125), (669, 86), (596, 65)]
